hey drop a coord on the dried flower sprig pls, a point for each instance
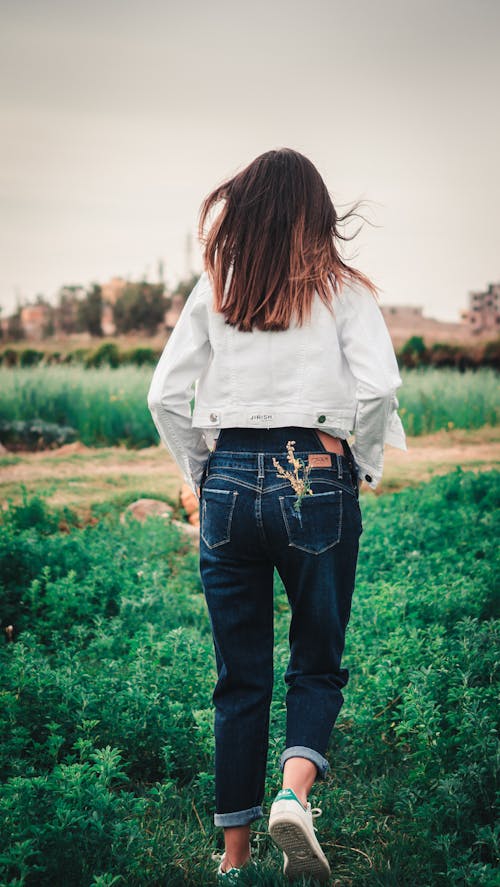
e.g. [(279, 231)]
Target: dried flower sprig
[(301, 485)]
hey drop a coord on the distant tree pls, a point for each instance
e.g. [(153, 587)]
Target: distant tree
[(48, 328), (68, 309), (490, 355), (444, 354), (185, 285), (141, 306), (15, 329), (414, 352), (90, 311)]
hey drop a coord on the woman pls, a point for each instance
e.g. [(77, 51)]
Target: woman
[(289, 354)]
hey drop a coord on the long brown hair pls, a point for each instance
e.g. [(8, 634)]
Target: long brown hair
[(276, 236)]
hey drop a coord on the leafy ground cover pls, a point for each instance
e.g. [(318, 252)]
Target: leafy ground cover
[(104, 406), (106, 716)]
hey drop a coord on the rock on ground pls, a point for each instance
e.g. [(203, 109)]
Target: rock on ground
[(142, 508)]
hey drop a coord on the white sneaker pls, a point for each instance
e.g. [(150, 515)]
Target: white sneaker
[(230, 876), (291, 828)]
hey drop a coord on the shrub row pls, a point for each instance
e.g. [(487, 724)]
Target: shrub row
[(414, 353), (107, 354), (34, 434)]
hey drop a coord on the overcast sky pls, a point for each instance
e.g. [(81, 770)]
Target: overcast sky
[(119, 116)]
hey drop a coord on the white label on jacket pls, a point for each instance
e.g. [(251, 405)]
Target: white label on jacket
[(260, 417)]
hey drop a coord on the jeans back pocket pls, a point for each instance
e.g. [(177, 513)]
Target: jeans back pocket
[(318, 525), (217, 508)]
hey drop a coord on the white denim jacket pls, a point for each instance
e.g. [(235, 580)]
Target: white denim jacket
[(336, 373)]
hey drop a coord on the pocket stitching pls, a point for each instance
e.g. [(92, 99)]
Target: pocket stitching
[(301, 547), (219, 476), (232, 493), (338, 484)]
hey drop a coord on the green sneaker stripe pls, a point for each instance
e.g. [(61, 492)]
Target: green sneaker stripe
[(287, 794)]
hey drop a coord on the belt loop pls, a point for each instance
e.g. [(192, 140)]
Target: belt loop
[(339, 464), (260, 462)]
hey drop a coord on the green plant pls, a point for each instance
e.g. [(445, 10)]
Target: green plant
[(77, 356), (141, 356), (10, 357), (106, 713), (34, 434), (30, 357), (414, 352), (107, 353)]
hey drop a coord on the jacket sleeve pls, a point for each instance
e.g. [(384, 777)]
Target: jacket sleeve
[(368, 350), (184, 357)]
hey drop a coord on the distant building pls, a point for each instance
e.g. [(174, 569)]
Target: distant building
[(404, 313), (404, 321), (34, 320), (108, 326), (113, 289), (483, 314), (110, 291)]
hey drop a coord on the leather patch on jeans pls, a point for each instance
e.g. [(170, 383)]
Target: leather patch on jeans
[(319, 460)]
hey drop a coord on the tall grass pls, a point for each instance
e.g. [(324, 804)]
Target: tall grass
[(105, 406), (433, 399), (108, 406)]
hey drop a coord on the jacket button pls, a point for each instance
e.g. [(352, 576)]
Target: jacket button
[(368, 477), (213, 417), (321, 419)]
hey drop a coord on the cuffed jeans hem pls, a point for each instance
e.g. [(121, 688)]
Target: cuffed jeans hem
[(241, 817), (301, 751)]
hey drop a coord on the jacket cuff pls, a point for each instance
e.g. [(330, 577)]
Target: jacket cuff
[(368, 474), (377, 423), (195, 476), (395, 434)]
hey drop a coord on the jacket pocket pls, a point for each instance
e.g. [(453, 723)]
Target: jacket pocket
[(217, 508), (318, 525)]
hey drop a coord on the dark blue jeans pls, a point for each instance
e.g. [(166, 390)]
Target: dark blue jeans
[(249, 526)]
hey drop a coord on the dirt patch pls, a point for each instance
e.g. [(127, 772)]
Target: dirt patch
[(80, 476), (455, 454), (101, 462), (75, 447)]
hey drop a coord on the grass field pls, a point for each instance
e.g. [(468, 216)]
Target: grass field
[(108, 667), (108, 406)]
